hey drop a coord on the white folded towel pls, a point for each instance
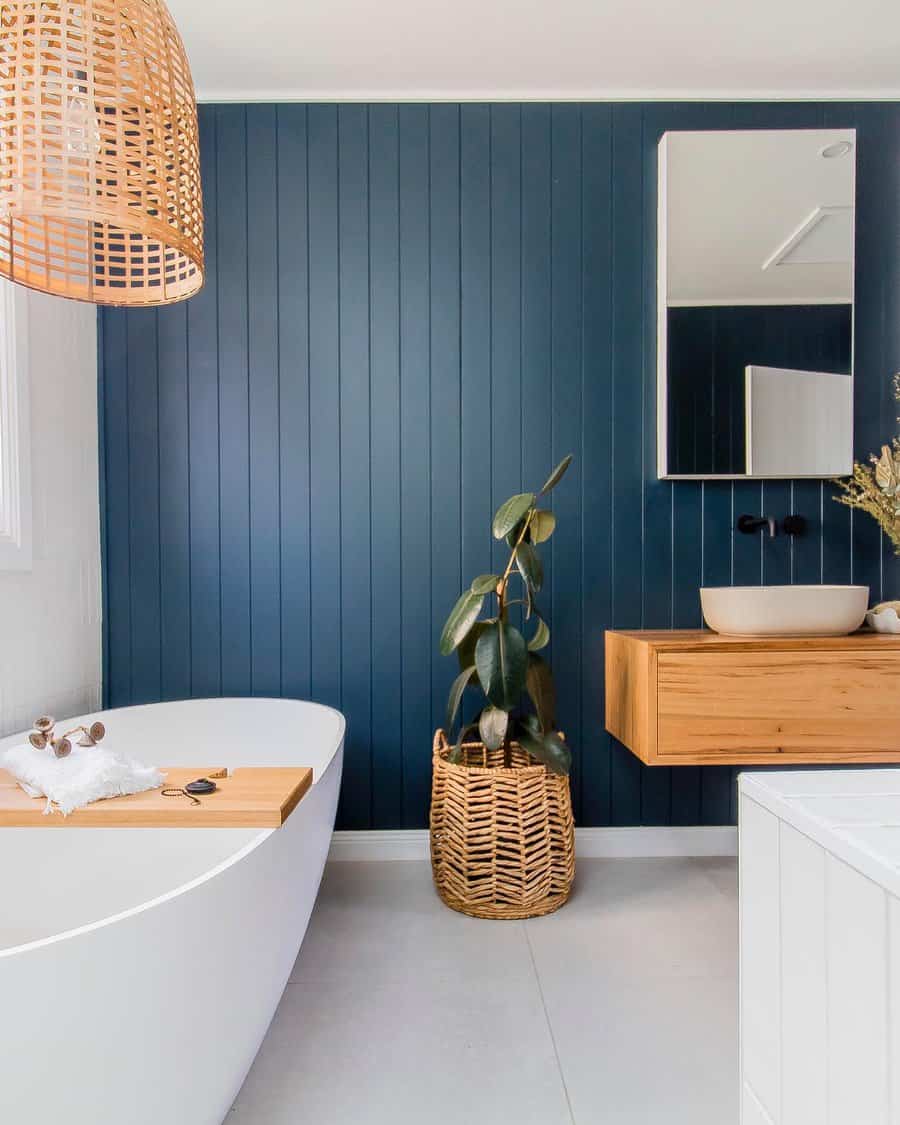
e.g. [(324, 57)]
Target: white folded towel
[(89, 773)]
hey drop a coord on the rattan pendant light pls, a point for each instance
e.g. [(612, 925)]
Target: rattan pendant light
[(99, 165)]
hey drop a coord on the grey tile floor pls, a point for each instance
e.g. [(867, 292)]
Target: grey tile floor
[(621, 1009)]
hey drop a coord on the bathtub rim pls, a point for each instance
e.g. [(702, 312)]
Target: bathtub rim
[(191, 884), (8, 740)]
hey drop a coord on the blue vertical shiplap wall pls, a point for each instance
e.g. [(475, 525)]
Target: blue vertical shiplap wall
[(410, 312)]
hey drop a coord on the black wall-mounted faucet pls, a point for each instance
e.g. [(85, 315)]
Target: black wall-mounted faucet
[(751, 524), (790, 525)]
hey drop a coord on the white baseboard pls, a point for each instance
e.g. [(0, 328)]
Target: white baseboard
[(590, 843)]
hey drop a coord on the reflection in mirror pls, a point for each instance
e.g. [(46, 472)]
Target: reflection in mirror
[(756, 303)]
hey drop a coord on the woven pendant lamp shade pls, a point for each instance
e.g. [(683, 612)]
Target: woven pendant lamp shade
[(99, 165)]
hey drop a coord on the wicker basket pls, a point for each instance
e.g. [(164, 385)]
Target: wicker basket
[(502, 839)]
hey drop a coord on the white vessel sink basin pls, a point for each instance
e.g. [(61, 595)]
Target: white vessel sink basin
[(773, 611)]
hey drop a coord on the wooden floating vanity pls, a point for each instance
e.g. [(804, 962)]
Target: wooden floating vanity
[(699, 698)]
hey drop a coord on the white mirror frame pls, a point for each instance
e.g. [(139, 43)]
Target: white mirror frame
[(662, 328), (15, 431), (662, 309)]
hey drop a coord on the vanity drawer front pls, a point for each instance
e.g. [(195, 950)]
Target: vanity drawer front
[(788, 706)]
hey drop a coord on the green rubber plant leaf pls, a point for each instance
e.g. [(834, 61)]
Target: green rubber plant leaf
[(485, 584), (501, 658), (493, 726), (539, 682), (509, 514), (513, 536), (541, 636), (456, 754), (557, 475), (456, 694), (543, 524), (530, 721), (530, 566), (466, 649), (460, 621), (529, 598), (549, 749)]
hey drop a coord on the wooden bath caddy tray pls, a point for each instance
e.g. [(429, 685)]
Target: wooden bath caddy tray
[(255, 797)]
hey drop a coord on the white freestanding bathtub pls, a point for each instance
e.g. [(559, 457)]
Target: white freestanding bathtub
[(139, 968)]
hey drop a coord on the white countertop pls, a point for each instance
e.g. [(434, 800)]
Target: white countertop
[(853, 813)]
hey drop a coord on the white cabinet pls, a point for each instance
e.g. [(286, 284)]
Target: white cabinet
[(820, 947)]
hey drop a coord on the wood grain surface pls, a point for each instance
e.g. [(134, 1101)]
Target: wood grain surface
[(693, 698), (257, 797)]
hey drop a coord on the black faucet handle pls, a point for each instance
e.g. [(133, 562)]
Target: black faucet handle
[(790, 525), (794, 525), (749, 525)]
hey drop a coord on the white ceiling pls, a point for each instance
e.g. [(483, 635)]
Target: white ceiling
[(733, 200), (536, 49)]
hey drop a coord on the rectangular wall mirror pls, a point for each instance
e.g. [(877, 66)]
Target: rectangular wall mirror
[(755, 303)]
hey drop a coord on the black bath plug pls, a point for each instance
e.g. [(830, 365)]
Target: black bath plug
[(201, 786)]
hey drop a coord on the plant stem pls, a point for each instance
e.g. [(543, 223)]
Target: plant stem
[(501, 585), (501, 598)]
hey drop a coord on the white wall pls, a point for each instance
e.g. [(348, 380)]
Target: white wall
[(50, 648)]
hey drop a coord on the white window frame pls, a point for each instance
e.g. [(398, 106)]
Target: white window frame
[(15, 431)]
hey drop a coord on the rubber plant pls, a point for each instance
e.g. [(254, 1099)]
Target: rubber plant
[(495, 656)]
